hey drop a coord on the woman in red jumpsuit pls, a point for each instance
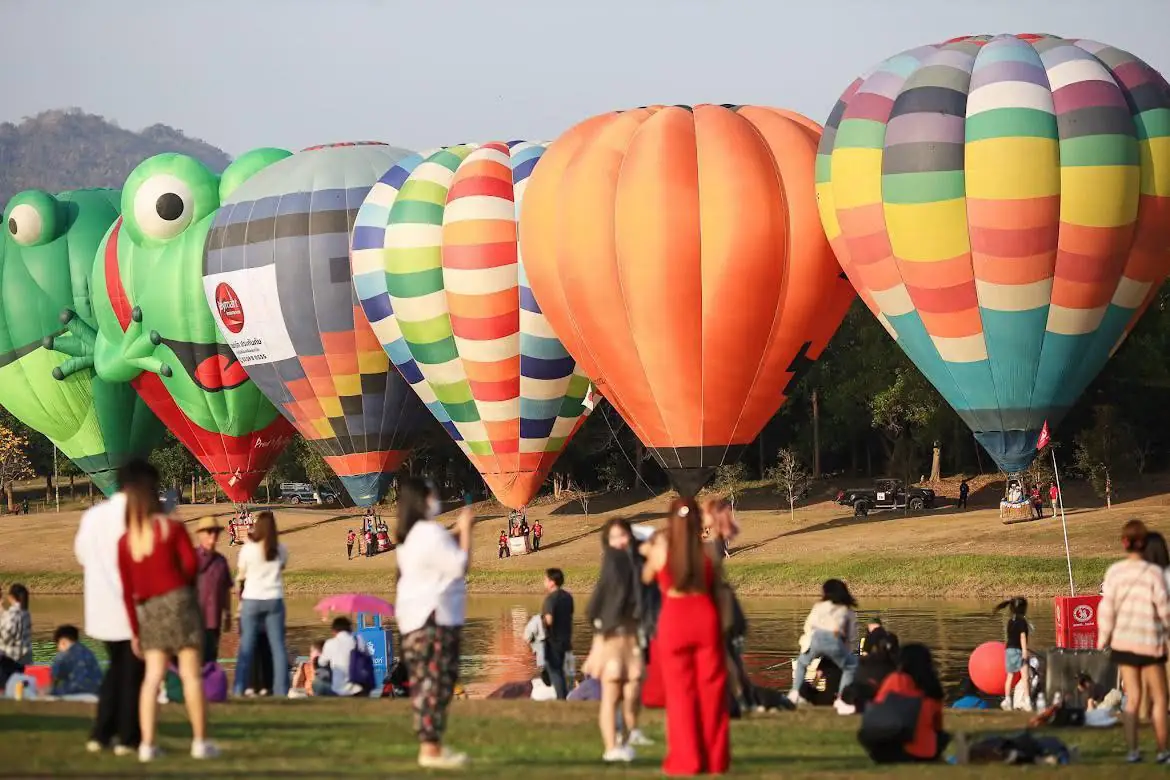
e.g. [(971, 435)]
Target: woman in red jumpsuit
[(689, 647)]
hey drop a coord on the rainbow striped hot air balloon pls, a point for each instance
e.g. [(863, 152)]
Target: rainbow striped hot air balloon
[(1002, 204), (438, 271)]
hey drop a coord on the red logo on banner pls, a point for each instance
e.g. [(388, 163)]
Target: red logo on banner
[(231, 311)]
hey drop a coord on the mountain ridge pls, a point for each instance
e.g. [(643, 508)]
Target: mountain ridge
[(66, 149)]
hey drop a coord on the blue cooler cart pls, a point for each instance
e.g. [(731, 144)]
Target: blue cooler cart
[(378, 643)]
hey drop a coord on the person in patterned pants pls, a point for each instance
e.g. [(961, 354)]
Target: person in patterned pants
[(430, 607), (432, 660)]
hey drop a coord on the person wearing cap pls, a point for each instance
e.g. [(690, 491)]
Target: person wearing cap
[(214, 587)]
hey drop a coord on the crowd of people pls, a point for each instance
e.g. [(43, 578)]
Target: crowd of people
[(662, 610)]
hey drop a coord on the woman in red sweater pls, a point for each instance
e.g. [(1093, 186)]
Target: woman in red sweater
[(922, 740), (158, 567)]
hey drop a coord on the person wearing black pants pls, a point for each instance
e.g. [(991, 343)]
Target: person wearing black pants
[(117, 711), (557, 615)]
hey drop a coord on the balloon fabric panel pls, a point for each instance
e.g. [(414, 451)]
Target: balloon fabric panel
[(156, 332), (277, 274), (1034, 161), (47, 254), (438, 272), (677, 253)]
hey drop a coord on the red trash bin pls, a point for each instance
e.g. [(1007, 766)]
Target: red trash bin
[(1076, 622)]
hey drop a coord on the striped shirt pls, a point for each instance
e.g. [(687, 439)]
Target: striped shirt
[(1135, 611)]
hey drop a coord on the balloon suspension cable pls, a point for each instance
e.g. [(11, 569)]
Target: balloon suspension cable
[(1063, 521), (613, 433)]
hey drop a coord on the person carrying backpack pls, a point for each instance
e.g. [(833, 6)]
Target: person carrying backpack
[(347, 661)]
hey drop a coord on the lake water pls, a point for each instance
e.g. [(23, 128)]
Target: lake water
[(494, 652)]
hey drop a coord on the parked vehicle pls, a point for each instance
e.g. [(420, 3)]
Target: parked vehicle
[(886, 494), (304, 493)]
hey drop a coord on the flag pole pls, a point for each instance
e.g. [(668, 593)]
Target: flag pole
[(1063, 522)]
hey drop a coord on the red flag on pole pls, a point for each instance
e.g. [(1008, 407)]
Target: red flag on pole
[(1044, 437)]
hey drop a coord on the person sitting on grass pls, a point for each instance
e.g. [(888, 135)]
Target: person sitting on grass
[(337, 654), (75, 669), (306, 673), (909, 702)]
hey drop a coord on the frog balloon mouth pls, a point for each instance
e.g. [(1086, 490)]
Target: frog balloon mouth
[(213, 367)]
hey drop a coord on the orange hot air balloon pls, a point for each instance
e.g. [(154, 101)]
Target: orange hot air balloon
[(678, 255)]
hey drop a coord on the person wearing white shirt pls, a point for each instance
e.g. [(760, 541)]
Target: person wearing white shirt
[(336, 653), (260, 572), (430, 607), (96, 547)]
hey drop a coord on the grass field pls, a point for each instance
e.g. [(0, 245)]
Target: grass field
[(940, 553), (323, 738)]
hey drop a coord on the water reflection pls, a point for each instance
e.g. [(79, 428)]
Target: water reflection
[(494, 650)]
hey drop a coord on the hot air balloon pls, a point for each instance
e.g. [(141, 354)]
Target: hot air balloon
[(46, 258), (276, 274), (1002, 205), (438, 271), (677, 254), (156, 332)]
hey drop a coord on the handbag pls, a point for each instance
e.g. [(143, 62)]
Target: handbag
[(890, 722)]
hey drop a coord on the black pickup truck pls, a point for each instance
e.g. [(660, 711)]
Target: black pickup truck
[(886, 494)]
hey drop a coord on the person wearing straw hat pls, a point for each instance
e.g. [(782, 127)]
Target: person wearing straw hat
[(214, 587)]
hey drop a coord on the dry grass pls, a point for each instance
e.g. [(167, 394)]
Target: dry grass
[(939, 553)]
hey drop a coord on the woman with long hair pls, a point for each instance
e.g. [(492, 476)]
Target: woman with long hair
[(431, 604), (616, 657), (260, 574), (689, 645), (1132, 622), (915, 678), (15, 634), (829, 632), (158, 568)]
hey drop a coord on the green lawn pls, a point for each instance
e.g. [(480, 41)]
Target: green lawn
[(332, 738)]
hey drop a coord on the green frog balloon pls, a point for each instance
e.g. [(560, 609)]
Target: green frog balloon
[(47, 251), (156, 332)]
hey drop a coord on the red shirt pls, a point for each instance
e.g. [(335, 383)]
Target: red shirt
[(349, 539), (925, 741), (1053, 493), (537, 529), (171, 565)]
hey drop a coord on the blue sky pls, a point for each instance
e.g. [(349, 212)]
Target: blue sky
[(422, 73)]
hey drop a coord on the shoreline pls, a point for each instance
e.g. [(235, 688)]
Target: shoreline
[(953, 576)]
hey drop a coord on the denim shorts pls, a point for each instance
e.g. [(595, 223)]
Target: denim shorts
[(1013, 659)]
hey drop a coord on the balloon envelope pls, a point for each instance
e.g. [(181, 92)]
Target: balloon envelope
[(156, 331), (677, 254), (1002, 205), (438, 271), (277, 277), (47, 253)]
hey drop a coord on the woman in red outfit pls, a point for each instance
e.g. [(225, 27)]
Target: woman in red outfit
[(915, 679), (158, 567), (689, 647)]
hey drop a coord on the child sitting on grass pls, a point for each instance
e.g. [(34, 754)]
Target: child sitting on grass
[(75, 669), (306, 672)]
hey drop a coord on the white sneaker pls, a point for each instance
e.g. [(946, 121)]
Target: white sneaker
[(93, 746), (623, 754), (122, 750), (796, 698), (204, 748), (250, 692), (148, 753), (447, 759), (638, 739), (844, 709), (1006, 705)]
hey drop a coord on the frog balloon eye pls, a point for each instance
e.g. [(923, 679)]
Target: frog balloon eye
[(32, 218), (163, 206)]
